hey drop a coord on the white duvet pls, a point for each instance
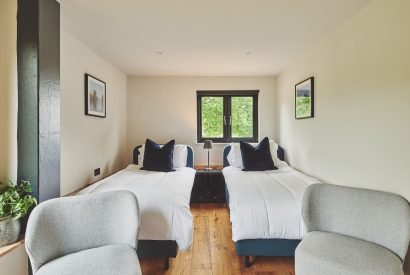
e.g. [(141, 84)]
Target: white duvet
[(266, 204), (163, 200)]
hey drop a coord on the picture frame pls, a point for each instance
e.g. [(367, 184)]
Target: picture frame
[(95, 97), (304, 99)]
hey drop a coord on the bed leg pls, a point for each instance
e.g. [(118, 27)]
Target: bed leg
[(246, 262), (166, 263)]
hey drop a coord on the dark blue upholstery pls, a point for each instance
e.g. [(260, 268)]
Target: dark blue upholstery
[(190, 157), (266, 247), (189, 162), (135, 154), (227, 149)]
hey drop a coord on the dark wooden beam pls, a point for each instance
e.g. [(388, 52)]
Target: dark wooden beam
[(38, 58)]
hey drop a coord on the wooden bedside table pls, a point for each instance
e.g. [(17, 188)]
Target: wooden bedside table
[(209, 185)]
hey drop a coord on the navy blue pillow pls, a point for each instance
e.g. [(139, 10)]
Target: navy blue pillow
[(157, 158), (257, 158)]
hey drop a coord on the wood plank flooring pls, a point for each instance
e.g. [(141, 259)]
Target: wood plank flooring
[(213, 252)]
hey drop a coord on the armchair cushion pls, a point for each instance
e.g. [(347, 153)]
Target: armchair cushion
[(105, 260), (374, 216), (322, 253), (64, 226)]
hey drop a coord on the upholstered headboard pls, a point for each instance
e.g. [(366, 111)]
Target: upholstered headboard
[(189, 161), (227, 149)]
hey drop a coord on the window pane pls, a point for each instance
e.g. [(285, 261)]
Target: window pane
[(242, 117), (212, 117)]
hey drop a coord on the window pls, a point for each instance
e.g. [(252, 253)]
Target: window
[(226, 116)]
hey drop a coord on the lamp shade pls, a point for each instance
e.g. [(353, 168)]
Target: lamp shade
[(208, 144)]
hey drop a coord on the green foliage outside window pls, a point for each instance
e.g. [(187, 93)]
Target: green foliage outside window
[(212, 117), (242, 117)]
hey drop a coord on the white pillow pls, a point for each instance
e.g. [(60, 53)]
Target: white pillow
[(141, 155), (235, 156), (179, 158), (180, 155), (274, 151)]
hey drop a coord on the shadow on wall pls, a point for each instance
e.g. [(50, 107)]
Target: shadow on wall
[(407, 263)]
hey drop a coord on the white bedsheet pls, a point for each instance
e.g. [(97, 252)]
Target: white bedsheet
[(266, 204), (163, 200)]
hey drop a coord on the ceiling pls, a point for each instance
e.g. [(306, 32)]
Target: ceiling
[(204, 37)]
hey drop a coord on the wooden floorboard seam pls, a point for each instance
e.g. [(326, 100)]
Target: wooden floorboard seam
[(213, 251)]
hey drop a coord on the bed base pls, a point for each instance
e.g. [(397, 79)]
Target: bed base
[(157, 249), (265, 247)]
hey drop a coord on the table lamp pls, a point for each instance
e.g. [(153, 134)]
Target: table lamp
[(208, 145)]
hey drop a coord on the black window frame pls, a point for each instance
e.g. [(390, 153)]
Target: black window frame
[(227, 127)]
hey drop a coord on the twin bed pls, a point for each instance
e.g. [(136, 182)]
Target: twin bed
[(165, 217), (264, 207)]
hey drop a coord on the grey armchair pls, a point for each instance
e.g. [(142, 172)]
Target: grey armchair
[(88, 234), (353, 231)]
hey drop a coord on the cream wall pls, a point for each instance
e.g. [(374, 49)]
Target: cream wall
[(8, 89), (15, 262), (162, 108), (89, 142), (361, 131)]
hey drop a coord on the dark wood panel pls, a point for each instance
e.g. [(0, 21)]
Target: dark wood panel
[(38, 59), (27, 63), (49, 99)]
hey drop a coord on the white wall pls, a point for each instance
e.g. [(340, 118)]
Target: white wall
[(162, 108), (361, 132), (89, 142), (8, 89)]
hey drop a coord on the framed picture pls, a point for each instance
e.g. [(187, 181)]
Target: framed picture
[(304, 99), (95, 96)]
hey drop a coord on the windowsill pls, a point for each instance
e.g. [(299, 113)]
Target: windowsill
[(7, 249), (227, 142), (214, 142), (77, 190)]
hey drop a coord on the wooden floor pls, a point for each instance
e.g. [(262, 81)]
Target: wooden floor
[(213, 252)]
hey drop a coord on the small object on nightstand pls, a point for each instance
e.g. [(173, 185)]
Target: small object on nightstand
[(208, 145)]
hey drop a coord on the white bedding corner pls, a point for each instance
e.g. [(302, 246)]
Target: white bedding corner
[(163, 200), (266, 204)]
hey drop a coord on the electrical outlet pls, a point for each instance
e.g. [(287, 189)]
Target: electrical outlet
[(97, 171)]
